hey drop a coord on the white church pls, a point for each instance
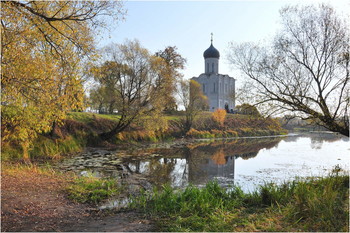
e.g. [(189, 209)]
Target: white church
[(219, 88)]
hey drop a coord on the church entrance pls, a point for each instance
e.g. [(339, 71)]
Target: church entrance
[(226, 108)]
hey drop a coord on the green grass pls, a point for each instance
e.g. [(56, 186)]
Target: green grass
[(87, 117), (303, 205), (44, 148), (92, 190), (82, 117)]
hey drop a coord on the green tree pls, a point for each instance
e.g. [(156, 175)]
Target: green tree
[(43, 44), (305, 72), (247, 109)]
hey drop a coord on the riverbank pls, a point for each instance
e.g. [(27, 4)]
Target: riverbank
[(34, 198), (315, 204), (98, 170), (81, 130)]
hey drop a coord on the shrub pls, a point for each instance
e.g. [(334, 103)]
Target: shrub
[(219, 116), (193, 133)]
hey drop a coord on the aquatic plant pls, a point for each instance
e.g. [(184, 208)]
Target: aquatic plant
[(92, 190)]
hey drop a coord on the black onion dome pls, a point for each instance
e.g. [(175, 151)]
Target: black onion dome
[(211, 52)]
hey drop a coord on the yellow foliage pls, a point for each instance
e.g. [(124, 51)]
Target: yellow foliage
[(219, 157), (219, 116), (42, 64)]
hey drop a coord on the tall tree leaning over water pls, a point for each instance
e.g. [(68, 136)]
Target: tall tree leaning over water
[(43, 46), (141, 84), (305, 71)]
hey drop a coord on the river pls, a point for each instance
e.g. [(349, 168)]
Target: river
[(247, 162)]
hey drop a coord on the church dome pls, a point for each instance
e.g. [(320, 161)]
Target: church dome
[(211, 52)]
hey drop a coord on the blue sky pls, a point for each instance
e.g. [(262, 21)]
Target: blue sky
[(188, 25)]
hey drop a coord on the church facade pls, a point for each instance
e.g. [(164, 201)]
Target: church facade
[(219, 88)]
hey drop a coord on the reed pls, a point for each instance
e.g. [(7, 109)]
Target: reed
[(315, 204)]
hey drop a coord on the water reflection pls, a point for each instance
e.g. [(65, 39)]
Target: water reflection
[(247, 162), (201, 162)]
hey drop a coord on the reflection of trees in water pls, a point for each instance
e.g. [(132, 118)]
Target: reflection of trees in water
[(159, 170), (204, 160), (249, 155), (317, 139), (247, 148), (290, 139), (217, 158)]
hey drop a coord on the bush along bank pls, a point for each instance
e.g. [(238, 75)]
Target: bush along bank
[(205, 126), (82, 129), (316, 204)]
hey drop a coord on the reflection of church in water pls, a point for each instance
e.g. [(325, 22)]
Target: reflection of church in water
[(198, 164), (210, 167)]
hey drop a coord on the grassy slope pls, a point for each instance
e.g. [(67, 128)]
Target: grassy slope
[(80, 129)]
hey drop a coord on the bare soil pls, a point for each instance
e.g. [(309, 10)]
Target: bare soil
[(33, 201)]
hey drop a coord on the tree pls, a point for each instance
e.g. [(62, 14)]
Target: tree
[(218, 116), (193, 99), (134, 77), (43, 44), (247, 109), (305, 72), (174, 63)]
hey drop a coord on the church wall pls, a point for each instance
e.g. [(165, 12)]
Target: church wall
[(227, 86), (217, 88)]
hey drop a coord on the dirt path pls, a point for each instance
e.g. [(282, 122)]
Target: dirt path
[(32, 201)]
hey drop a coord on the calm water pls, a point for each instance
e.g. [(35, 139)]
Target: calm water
[(247, 162)]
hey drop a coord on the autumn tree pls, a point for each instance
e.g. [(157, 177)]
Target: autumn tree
[(103, 98), (194, 101), (305, 72), (174, 63), (218, 116), (247, 109), (135, 76), (43, 44)]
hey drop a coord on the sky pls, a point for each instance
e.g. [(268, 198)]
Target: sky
[(188, 26)]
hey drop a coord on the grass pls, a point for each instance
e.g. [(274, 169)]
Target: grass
[(302, 205), (92, 190), (19, 169), (89, 189), (45, 149), (87, 117)]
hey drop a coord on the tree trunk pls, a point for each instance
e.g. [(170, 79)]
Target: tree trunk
[(25, 148)]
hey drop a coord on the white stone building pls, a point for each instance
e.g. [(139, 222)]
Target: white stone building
[(219, 88)]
